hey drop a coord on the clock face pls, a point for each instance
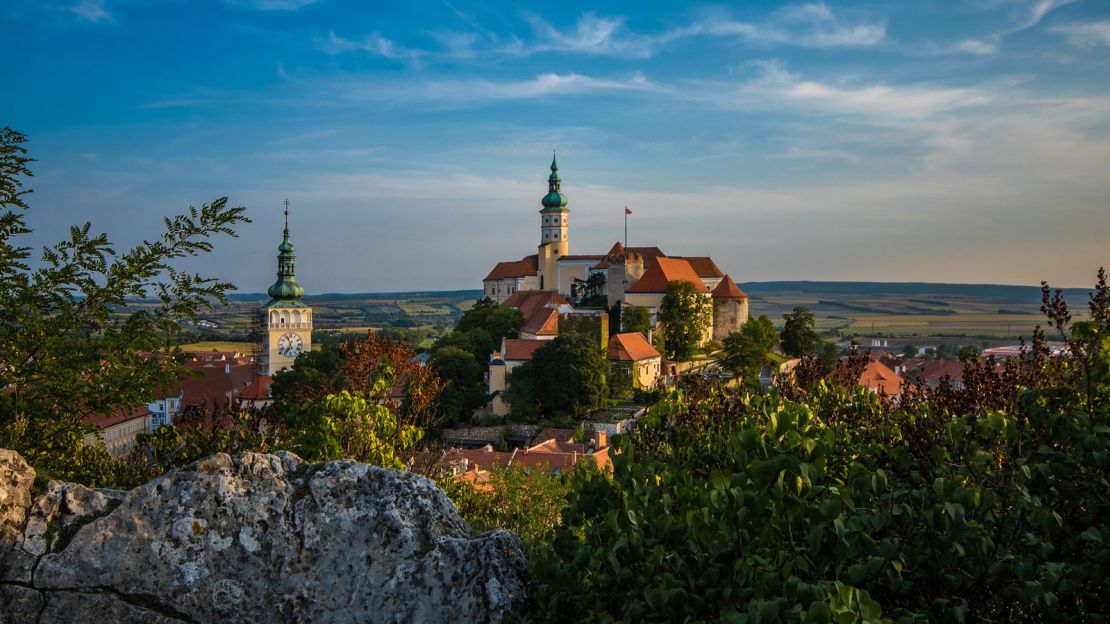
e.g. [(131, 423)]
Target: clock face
[(290, 345)]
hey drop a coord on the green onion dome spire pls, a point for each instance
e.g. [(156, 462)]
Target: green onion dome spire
[(554, 200), (286, 286)]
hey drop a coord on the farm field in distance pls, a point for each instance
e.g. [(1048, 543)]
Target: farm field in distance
[(911, 313)]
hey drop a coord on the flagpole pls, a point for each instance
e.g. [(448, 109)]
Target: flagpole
[(626, 227)]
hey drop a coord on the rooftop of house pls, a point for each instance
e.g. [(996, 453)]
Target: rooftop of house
[(525, 267), (517, 350), (664, 271), (115, 417), (630, 347), (879, 377)]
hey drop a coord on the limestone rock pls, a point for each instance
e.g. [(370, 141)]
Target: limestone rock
[(267, 539), (16, 480)]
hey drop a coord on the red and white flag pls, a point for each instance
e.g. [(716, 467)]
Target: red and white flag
[(627, 211)]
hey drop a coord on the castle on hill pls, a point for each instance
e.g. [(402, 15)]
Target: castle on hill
[(634, 276)]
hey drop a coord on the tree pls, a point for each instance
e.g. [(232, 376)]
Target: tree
[(636, 319), (686, 314), (799, 338), (746, 351), (565, 378), (66, 352), (313, 374), (498, 321), (464, 387), (353, 426), (589, 292)]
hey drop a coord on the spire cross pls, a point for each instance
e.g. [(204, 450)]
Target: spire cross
[(287, 214)]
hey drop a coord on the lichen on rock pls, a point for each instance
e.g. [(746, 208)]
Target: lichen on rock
[(255, 538)]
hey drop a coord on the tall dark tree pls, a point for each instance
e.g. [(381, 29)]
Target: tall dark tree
[(686, 314), (464, 386), (636, 319), (747, 351), (799, 338), (565, 378)]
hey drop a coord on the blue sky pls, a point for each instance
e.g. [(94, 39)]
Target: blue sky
[(901, 141)]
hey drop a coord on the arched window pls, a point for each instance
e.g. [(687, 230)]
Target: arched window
[(273, 318), (297, 317)]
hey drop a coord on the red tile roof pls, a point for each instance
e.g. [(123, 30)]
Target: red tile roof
[(527, 266), (581, 258), (703, 266), (727, 289), (115, 417), (664, 271), (521, 350), (214, 386), (540, 309), (934, 371), (258, 390), (878, 377), (631, 347)]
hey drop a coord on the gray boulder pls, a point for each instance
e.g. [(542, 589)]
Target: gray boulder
[(251, 538)]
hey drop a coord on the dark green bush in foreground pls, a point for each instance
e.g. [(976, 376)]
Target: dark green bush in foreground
[(987, 504)]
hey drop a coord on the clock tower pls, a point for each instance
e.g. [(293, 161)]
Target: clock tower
[(287, 319)]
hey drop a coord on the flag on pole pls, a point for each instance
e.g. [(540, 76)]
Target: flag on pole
[(627, 211)]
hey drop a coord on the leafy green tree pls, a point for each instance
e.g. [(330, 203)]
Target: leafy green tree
[(524, 501), (829, 356), (636, 319), (66, 352), (498, 321), (686, 314), (351, 426), (747, 351), (312, 374), (464, 384), (799, 338), (565, 378), (590, 292)]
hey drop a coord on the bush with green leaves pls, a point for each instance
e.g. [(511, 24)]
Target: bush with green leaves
[(65, 351), (846, 506)]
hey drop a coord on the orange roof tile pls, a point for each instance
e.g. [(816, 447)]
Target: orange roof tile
[(521, 350), (581, 258), (664, 271), (727, 289), (527, 266), (703, 266), (630, 347), (878, 377)]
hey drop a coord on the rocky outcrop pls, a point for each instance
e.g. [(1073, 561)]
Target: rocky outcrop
[(251, 538)]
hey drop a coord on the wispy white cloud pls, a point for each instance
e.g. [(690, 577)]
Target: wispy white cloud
[(807, 26), (465, 90), (91, 10), (1086, 34), (173, 103), (778, 87), (273, 5), (373, 43), (1025, 16)]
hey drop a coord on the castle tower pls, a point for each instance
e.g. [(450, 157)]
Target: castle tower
[(730, 309), (554, 240), (287, 319)]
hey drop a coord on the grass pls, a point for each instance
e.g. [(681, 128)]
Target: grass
[(217, 345)]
